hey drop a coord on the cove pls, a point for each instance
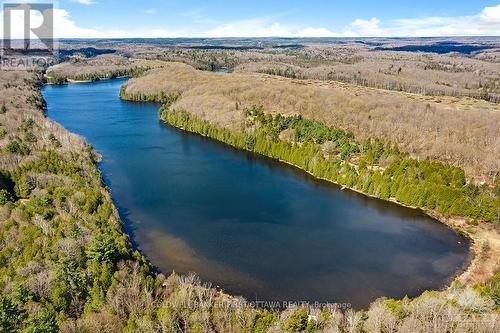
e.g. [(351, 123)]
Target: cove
[(251, 225)]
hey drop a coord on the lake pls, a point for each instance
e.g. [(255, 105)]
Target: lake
[(251, 225)]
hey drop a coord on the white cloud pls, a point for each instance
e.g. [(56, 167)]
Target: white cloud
[(361, 27), (491, 14), (487, 22), (256, 27), (65, 27)]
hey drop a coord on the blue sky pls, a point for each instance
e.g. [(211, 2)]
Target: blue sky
[(257, 18)]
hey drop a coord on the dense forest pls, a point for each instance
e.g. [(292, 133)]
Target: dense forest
[(66, 264), (101, 67), (382, 64), (370, 166), (459, 132)]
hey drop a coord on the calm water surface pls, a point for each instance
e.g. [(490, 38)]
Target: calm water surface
[(253, 226)]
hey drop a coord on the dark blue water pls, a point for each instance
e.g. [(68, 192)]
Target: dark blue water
[(251, 225)]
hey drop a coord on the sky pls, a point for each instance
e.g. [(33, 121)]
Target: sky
[(269, 18)]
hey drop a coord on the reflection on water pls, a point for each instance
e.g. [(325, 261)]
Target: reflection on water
[(174, 252), (253, 226)]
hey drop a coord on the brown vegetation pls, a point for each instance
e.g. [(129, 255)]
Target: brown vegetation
[(23, 103), (122, 293), (367, 62), (421, 73), (97, 68), (460, 131), (372, 62), (72, 269)]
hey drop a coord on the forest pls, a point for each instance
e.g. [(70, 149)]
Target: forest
[(378, 156), (370, 166), (67, 264), (101, 67), (459, 132), (378, 63)]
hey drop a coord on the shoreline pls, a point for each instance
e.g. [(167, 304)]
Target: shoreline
[(68, 80), (464, 274), (78, 81)]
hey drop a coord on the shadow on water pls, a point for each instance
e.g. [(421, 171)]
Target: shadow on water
[(250, 224)]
